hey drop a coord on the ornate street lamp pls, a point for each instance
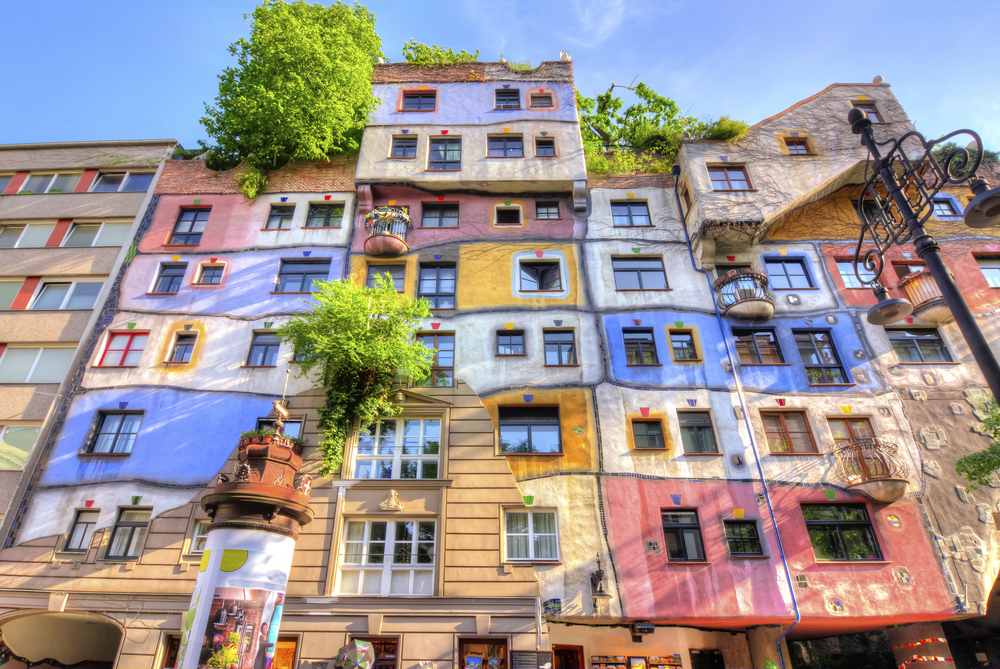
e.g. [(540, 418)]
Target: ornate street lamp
[(896, 201)]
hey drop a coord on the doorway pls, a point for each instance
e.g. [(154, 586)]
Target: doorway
[(567, 657)]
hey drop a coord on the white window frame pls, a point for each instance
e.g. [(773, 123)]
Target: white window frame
[(530, 535), (52, 178), (97, 237), (3, 431), (396, 457), (195, 535), (34, 365), (387, 567), (24, 228), (530, 257), (127, 174), (69, 293), (988, 263)]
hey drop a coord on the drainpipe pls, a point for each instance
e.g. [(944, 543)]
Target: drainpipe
[(676, 170)]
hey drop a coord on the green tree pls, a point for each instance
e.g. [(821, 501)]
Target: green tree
[(420, 54), (301, 88), (979, 468), (227, 656), (357, 339), (942, 151)]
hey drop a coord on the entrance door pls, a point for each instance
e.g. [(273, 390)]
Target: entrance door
[(707, 659), (567, 657)]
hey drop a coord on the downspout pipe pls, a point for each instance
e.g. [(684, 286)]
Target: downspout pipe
[(676, 170)]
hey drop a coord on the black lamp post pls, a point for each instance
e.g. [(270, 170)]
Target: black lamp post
[(899, 214)]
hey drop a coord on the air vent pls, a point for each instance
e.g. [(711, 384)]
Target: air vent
[(801, 581)]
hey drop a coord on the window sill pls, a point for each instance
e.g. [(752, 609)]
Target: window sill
[(555, 291), (528, 563), (702, 455), (656, 365), (560, 365), (851, 562), (510, 355), (161, 293), (291, 292), (643, 290), (401, 158), (417, 111), (538, 156), (438, 227), (86, 454), (785, 454), (275, 229), (433, 170), (258, 366), (175, 362), (534, 455), (765, 364), (835, 385), (685, 562), (633, 226), (654, 449), (506, 109), (398, 483), (811, 288), (749, 557), (71, 554), (681, 362), (190, 246), (946, 364), (115, 366), (321, 227), (735, 190), (501, 157)]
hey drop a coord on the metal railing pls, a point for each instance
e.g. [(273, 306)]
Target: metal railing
[(741, 285), (388, 221), (870, 459)]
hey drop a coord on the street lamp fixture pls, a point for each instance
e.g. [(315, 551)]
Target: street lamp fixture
[(597, 592), (897, 199)]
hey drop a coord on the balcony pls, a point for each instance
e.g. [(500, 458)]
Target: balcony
[(925, 296), (871, 465), (387, 228), (742, 294)]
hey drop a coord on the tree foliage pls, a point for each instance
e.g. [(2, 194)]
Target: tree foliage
[(301, 88), (979, 468), (420, 54), (357, 339), (941, 152)]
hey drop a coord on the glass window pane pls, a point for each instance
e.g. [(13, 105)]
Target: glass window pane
[(51, 296), (517, 547), (9, 291), (349, 581), (513, 438), (372, 583), (82, 235), (9, 235), (84, 296), (36, 183), (826, 543), (113, 234), (35, 236), (108, 183), (517, 523), (16, 443), (545, 438), (16, 364), (52, 366), (64, 183), (138, 182)]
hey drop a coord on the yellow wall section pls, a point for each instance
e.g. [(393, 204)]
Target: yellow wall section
[(576, 411), (486, 275), (167, 343)]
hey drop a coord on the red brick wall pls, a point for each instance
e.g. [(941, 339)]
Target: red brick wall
[(181, 177)]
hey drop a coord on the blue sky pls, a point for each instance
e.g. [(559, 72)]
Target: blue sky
[(130, 70)]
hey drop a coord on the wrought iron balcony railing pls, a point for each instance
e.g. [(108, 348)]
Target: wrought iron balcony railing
[(871, 464), (743, 294), (387, 228), (923, 293)]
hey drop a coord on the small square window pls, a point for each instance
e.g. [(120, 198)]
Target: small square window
[(263, 350), (505, 146), (990, 267), (183, 348), (510, 342), (546, 210), (870, 111), (531, 535), (640, 347), (918, 345), (943, 208), (541, 100), (199, 536), (292, 427), (729, 178), (797, 147), (508, 98), (697, 434), (788, 432), (545, 147), (508, 216), (439, 216), (648, 434), (325, 216), (78, 539), (445, 154), (683, 536), (560, 347), (170, 277), (280, 218), (841, 532), (190, 226), (404, 147), (395, 273), (128, 533), (682, 346), (787, 274), (423, 101), (301, 277), (116, 432), (639, 273), (124, 349), (741, 535), (211, 274), (529, 429), (437, 285), (540, 276), (630, 214), (757, 347)]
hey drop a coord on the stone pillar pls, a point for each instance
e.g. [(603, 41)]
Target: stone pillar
[(763, 646), (925, 640), (241, 582)]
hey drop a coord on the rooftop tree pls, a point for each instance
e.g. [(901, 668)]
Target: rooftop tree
[(420, 54), (301, 88), (980, 468)]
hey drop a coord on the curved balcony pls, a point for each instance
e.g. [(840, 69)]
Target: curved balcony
[(743, 294), (925, 296), (387, 228), (872, 466)]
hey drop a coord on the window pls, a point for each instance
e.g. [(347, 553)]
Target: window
[(640, 347), (189, 227), (80, 532), (110, 182), (508, 216), (541, 100), (439, 216), (683, 536), (97, 234), (529, 429), (8, 293), (729, 178), (116, 432), (437, 285), (639, 274), (50, 183), (170, 277), (787, 432), (399, 448), (280, 218), (9, 235), (443, 365), (69, 295), (211, 275), (697, 434), (445, 154), (388, 557), (648, 434), (546, 210), (849, 430), (531, 535), (301, 277), (292, 427), (797, 147), (914, 345), (35, 365), (990, 267), (386, 651), (846, 269), (560, 347), (183, 347), (5, 180), (682, 346), (199, 536), (510, 342), (841, 532), (757, 347), (787, 274), (33, 236), (545, 147), (505, 146), (870, 111), (903, 270), (394, 273), (124, 349), (472, 651), (16, 442), (742, 537), (424, 101), (944, 209), (540, 276), (508, 98), (263, 350), (404, 147), (630, 214), (325, 216), (130, 530), (819, 357)]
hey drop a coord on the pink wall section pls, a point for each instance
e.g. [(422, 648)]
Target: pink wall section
[(226, 228)]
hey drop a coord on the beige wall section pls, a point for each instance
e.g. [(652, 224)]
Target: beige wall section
[(116, 156), (71, 205), (45, 326), (58, 261), (26, 401)]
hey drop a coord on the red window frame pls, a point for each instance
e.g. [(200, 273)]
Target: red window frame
[(125, 351)]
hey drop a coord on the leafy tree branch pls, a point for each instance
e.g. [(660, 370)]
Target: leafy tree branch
[(979, 468), (422, 55)]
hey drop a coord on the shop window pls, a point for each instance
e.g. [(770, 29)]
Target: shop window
[(171, 649), (482, 653), (707, 659), (399, 448), (386, 651)]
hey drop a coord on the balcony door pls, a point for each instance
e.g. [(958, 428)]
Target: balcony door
[(847, 430)]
